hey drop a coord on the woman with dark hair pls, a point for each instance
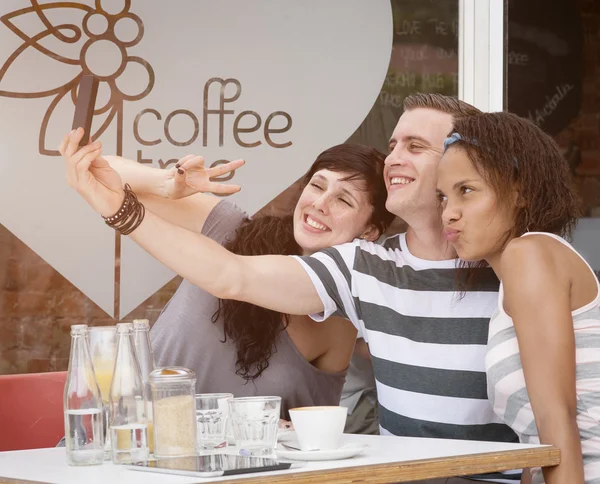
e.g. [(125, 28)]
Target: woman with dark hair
[(507, 201), (235, 346)]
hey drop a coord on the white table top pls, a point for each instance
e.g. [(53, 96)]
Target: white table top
[(50, 465)]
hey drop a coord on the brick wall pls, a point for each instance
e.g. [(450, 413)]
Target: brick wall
[(38, 306)]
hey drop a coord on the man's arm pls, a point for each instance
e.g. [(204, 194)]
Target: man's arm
[(275, 282), (538, 298)]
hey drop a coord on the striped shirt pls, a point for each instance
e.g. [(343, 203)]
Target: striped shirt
[(427, 343), (506, 382)]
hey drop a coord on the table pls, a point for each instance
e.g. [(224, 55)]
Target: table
[(388, 459)]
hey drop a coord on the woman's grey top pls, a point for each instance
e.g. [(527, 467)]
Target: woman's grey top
[(184, 335)]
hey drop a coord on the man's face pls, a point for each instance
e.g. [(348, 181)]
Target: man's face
[(411, 167)]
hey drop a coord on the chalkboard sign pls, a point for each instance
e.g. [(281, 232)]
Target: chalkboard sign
[(424, 59), (545, 61)]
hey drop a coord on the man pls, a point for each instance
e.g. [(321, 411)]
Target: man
[(427, 343), (426, 339)]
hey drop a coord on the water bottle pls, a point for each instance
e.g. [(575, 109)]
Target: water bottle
[(84, 431), (143, 351), (127, 405)]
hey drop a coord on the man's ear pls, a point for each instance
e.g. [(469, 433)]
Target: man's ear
[(371, 233)]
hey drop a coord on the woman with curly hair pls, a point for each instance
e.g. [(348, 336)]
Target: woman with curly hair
[(238, 347), (507, 201)]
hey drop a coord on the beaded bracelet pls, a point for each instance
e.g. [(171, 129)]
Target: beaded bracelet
[(129, 216)]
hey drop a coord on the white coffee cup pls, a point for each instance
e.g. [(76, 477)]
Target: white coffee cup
[(319, 428)]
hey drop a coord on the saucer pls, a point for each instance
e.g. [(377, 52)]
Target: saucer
[(344, 452)]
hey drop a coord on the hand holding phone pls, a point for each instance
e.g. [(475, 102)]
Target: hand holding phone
[(84, 108)]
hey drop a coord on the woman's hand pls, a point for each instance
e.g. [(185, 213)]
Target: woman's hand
[(189, 176), (91, 175)]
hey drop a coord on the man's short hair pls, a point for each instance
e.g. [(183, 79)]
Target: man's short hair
[(446, 104)]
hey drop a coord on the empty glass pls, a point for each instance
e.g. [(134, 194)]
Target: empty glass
[(212, 414), (254, 421)]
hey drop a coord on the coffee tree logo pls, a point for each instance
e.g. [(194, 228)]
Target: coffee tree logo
[(106, 38), (255, 85)]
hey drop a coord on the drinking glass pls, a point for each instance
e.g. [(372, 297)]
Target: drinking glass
[(255, 421), (103, 348), (212, 414)]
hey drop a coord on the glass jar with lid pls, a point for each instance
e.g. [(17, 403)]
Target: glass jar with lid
[(174, 410)]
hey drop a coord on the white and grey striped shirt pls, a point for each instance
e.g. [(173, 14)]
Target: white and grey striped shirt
[(427, 343)]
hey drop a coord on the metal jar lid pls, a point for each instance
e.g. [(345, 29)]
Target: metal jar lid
[(172, 374), (141, 324)]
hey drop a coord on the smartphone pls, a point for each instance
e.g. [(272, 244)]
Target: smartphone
[(84, 108), (214, 465)]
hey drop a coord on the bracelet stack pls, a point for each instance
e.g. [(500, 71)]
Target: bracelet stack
[(129, 216)]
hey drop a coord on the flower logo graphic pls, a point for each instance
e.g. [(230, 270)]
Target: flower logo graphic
[(104, 38)]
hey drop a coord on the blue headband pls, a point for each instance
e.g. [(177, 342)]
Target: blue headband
[(454, 137)]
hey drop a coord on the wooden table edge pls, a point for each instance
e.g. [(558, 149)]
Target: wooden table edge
[(393, 472)]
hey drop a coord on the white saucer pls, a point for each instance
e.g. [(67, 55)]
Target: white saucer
[(344, 452)]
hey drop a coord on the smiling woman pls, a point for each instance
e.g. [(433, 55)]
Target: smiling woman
[(334, 205)]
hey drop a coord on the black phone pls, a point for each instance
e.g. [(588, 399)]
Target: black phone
[(212, 465), (84, 107)]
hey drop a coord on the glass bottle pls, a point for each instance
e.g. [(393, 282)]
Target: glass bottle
[(127, 405), (84, 432), (143, 350)]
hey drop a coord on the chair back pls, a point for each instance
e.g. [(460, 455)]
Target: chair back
[(31, 410)]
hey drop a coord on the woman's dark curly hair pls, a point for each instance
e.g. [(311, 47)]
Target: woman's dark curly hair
[(254, 329), (513, 154)]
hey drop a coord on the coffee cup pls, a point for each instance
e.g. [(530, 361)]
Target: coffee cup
[(319, 428)]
